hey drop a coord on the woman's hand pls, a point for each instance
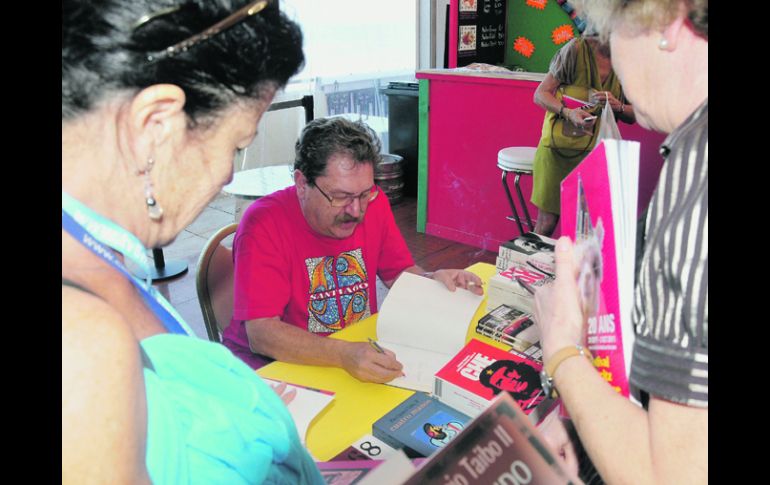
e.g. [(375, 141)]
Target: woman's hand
[(580, 118), (286, 397), (558, 311), (601, 97)]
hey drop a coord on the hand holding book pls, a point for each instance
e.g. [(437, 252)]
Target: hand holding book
[(558, 310)]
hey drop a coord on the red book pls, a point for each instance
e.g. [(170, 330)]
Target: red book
[(471, 380)]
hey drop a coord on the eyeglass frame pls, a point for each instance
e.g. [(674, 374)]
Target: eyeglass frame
[(372, 193)]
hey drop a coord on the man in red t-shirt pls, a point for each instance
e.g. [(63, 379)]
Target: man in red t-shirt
[(307, 258)]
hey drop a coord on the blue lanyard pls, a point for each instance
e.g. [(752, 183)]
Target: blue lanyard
[(82, 222)]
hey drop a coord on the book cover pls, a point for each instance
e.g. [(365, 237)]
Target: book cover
[(479, 372), (530, 247), (598, 207), (420, 425), (505, 289), (499, 446), (510, 326)]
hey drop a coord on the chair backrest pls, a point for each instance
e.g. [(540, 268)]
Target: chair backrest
[(214, 282)]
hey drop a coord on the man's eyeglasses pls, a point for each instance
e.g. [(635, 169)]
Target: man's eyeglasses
[(344, 200)]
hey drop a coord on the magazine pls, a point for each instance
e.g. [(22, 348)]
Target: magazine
[(598, 207)]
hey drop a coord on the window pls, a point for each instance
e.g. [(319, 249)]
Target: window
[(356, 39)]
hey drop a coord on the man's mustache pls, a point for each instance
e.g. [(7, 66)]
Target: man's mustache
[(346, 218)]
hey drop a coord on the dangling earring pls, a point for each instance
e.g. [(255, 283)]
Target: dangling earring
[(154, 211), (663, 44)]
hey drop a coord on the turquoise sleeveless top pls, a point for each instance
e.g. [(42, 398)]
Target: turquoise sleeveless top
[(210, 418)]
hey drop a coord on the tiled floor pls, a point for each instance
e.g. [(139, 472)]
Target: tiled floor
[(429, 252), (180, 291)]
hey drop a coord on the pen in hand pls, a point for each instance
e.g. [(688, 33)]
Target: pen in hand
[(376, 346), (379, 349)]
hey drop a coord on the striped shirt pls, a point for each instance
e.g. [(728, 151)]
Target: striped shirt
[(670, 356)]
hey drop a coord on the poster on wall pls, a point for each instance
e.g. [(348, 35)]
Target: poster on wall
[(481, 29), (468, 9)]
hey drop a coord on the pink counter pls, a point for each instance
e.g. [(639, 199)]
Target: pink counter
[(465, 119)]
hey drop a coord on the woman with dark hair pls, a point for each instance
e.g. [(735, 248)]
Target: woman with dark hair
[(157, 99)]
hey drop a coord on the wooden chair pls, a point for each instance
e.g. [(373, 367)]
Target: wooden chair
[(214, 282)]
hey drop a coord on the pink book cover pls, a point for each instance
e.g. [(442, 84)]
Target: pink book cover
[(586, 215), (574, 103), (485, 371)]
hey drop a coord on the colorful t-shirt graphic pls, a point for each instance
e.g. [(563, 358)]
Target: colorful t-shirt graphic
[(285, 269), (338, 291)]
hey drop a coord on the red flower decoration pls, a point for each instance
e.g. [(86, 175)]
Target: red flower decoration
[(562, 34), (524, 46), (539, 4)]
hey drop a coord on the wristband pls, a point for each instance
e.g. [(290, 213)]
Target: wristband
[(549, 370), (428, 274)]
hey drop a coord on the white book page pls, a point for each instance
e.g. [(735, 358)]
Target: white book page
[(305, 406), (422, 313), (623, 171), (420, 319), (420, 366)]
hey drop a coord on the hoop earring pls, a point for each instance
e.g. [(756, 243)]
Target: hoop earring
[(154, 211)]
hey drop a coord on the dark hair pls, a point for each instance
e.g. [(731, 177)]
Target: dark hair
[(103, 52), (528, 374), (324, 137)]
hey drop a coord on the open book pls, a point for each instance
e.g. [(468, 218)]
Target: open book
[(425, 325), (598, 207)]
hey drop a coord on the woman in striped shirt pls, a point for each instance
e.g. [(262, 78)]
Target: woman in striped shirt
[(660, 52)]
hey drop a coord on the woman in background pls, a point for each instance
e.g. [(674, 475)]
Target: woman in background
[(157, 98), (581, 70), (660, 53)]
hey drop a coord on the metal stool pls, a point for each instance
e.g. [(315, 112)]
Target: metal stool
[(519, 161)]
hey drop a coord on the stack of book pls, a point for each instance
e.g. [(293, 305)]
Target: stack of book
[(509, 287), (479, 372), (513, 327), (529, 247), (530, 258)]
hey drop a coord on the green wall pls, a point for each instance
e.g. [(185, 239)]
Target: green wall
[(537, 26)]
